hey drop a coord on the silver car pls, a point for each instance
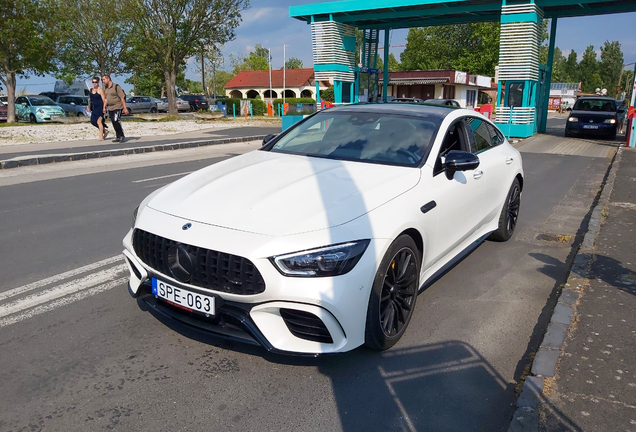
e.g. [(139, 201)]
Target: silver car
[(74, 105), (141, 104), (181, 105), (161, 105)]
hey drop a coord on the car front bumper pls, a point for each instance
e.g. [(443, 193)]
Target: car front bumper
[(339, 303), (596, 129)]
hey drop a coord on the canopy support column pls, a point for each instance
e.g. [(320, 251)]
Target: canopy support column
[(385, 81), (543, 117)]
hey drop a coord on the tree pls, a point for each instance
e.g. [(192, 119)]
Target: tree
[(558, 67), (293, 63), (611, 65), (473, 48), (96, 43), (175, 30), (587, 68), (30, 35), (327, 95), (256, 60), (222, 78), (571, 68)]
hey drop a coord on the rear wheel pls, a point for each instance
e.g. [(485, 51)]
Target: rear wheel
[(153, 110), (509, 214), (393, 294)]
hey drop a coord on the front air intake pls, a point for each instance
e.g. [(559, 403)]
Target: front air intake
[(306, 325)]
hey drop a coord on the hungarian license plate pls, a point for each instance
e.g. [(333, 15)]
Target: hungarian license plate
[(590, 126), (183, 298)]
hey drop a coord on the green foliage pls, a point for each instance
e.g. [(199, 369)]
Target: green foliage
[(472, 48), (293, 63), (292, 101), (95, 43), (259, 107), (222, 77), (571, 69), (588, 67), (256, 60), (31, 34), (192, 86), (611, 66), (175, 30), (327, 95)]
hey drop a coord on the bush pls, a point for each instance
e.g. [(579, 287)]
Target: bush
[(292, 101), (327, 95), (258, 106)]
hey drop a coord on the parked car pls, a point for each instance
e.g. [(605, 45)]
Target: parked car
[(4, 100), (74, 105), (443, 102), (407, 100), (197, 102), (320, 241), (53, 95), (592, 115), (181, 105), (3, 112), (37, 108), (141, 104), (162, 106)]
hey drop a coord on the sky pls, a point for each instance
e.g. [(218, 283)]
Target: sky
[(268, 23)]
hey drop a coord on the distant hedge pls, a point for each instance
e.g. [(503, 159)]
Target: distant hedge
[(293, 101), (258, 106)]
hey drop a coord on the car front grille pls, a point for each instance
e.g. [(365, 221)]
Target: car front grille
[(213, 270), (306, 325)]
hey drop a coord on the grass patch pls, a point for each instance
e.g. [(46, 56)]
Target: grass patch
[(170, 118)]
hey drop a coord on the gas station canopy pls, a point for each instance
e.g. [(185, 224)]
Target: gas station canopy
[(370, 14)]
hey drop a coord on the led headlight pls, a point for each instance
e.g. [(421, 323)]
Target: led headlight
[(573, 119), (326, 261), (610, 121)]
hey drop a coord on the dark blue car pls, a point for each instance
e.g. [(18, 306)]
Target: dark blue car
[(593, 116)]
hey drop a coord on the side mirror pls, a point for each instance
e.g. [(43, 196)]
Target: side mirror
[(268, 138), (459, 161), (72, 103)]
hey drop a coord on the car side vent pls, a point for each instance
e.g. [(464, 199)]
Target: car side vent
[(306, 325)]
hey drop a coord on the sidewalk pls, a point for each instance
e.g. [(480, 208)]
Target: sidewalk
[(14, 156), (592, 336)]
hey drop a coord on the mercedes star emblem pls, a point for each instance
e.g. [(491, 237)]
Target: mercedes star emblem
[(180, 263)]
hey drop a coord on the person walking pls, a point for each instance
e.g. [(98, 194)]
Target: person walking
[(97, 108), (116, 105)]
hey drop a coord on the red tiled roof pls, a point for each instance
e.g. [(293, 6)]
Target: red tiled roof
[(293, 78)]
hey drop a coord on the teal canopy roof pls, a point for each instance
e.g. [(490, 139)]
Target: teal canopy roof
[(421, 13)]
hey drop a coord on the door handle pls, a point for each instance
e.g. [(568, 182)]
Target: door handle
[(509, 160), (478, 175)]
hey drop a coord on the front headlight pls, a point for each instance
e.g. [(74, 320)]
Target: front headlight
[(573, 119), (610, 121), (326, 261)]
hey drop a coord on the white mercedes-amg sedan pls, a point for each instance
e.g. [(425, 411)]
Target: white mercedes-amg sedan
[(320, 241)]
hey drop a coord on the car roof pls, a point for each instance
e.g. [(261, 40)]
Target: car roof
[(596, 97), (388, 108)]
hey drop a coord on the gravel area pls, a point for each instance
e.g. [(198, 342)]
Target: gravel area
[(25, 134)]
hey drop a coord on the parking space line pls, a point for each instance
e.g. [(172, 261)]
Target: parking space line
[(161, 177)]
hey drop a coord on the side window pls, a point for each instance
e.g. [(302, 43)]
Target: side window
[(496, 136), (479, 133), (455, 139), (146, 99), (20, 100)]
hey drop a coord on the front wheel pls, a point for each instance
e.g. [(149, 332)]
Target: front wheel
[(393, 295), (153, 110), (509, 214), (32, 118)]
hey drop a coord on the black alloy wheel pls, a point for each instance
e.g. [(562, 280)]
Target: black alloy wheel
[(393, 295), (509, 214)]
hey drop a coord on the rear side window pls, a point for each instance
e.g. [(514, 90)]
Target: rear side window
[(482, 134)]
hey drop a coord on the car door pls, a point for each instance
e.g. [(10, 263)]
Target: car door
[(22, 108), (147, 103), (458, 198), (486, 143)]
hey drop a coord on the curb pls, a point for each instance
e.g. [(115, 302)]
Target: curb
[(47, 159), (526, 417)]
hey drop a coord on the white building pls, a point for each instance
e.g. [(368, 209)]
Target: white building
[(297, 83)]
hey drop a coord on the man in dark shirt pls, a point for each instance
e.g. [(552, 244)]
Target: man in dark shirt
[(116, 104)]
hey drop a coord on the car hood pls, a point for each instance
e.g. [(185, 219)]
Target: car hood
[(280, 194)]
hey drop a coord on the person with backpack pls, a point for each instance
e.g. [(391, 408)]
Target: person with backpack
[(116, 104)]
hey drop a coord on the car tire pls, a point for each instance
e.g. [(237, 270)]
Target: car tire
[(393, 294), (32, 118), (568, 134), (612, 136), (153, 110), (79, 114), (509, 214)]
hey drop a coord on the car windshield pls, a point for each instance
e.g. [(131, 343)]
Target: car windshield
[(595, 105), (41, 101), (360, 136)]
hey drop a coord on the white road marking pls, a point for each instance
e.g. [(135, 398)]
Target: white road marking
[(161, 177), (61, 302), (104, 277), (57, 278)]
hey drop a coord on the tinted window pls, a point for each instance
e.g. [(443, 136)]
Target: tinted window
[(515, 94), (145, 99), (483, 134), (369, 137), (41, 101), (21, 100), (595, 105), (62, 99)]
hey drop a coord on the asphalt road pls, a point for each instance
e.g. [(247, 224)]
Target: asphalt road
[(85, 356)]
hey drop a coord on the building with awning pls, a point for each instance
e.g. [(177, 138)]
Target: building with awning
[(292, 83), (436, 84)]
